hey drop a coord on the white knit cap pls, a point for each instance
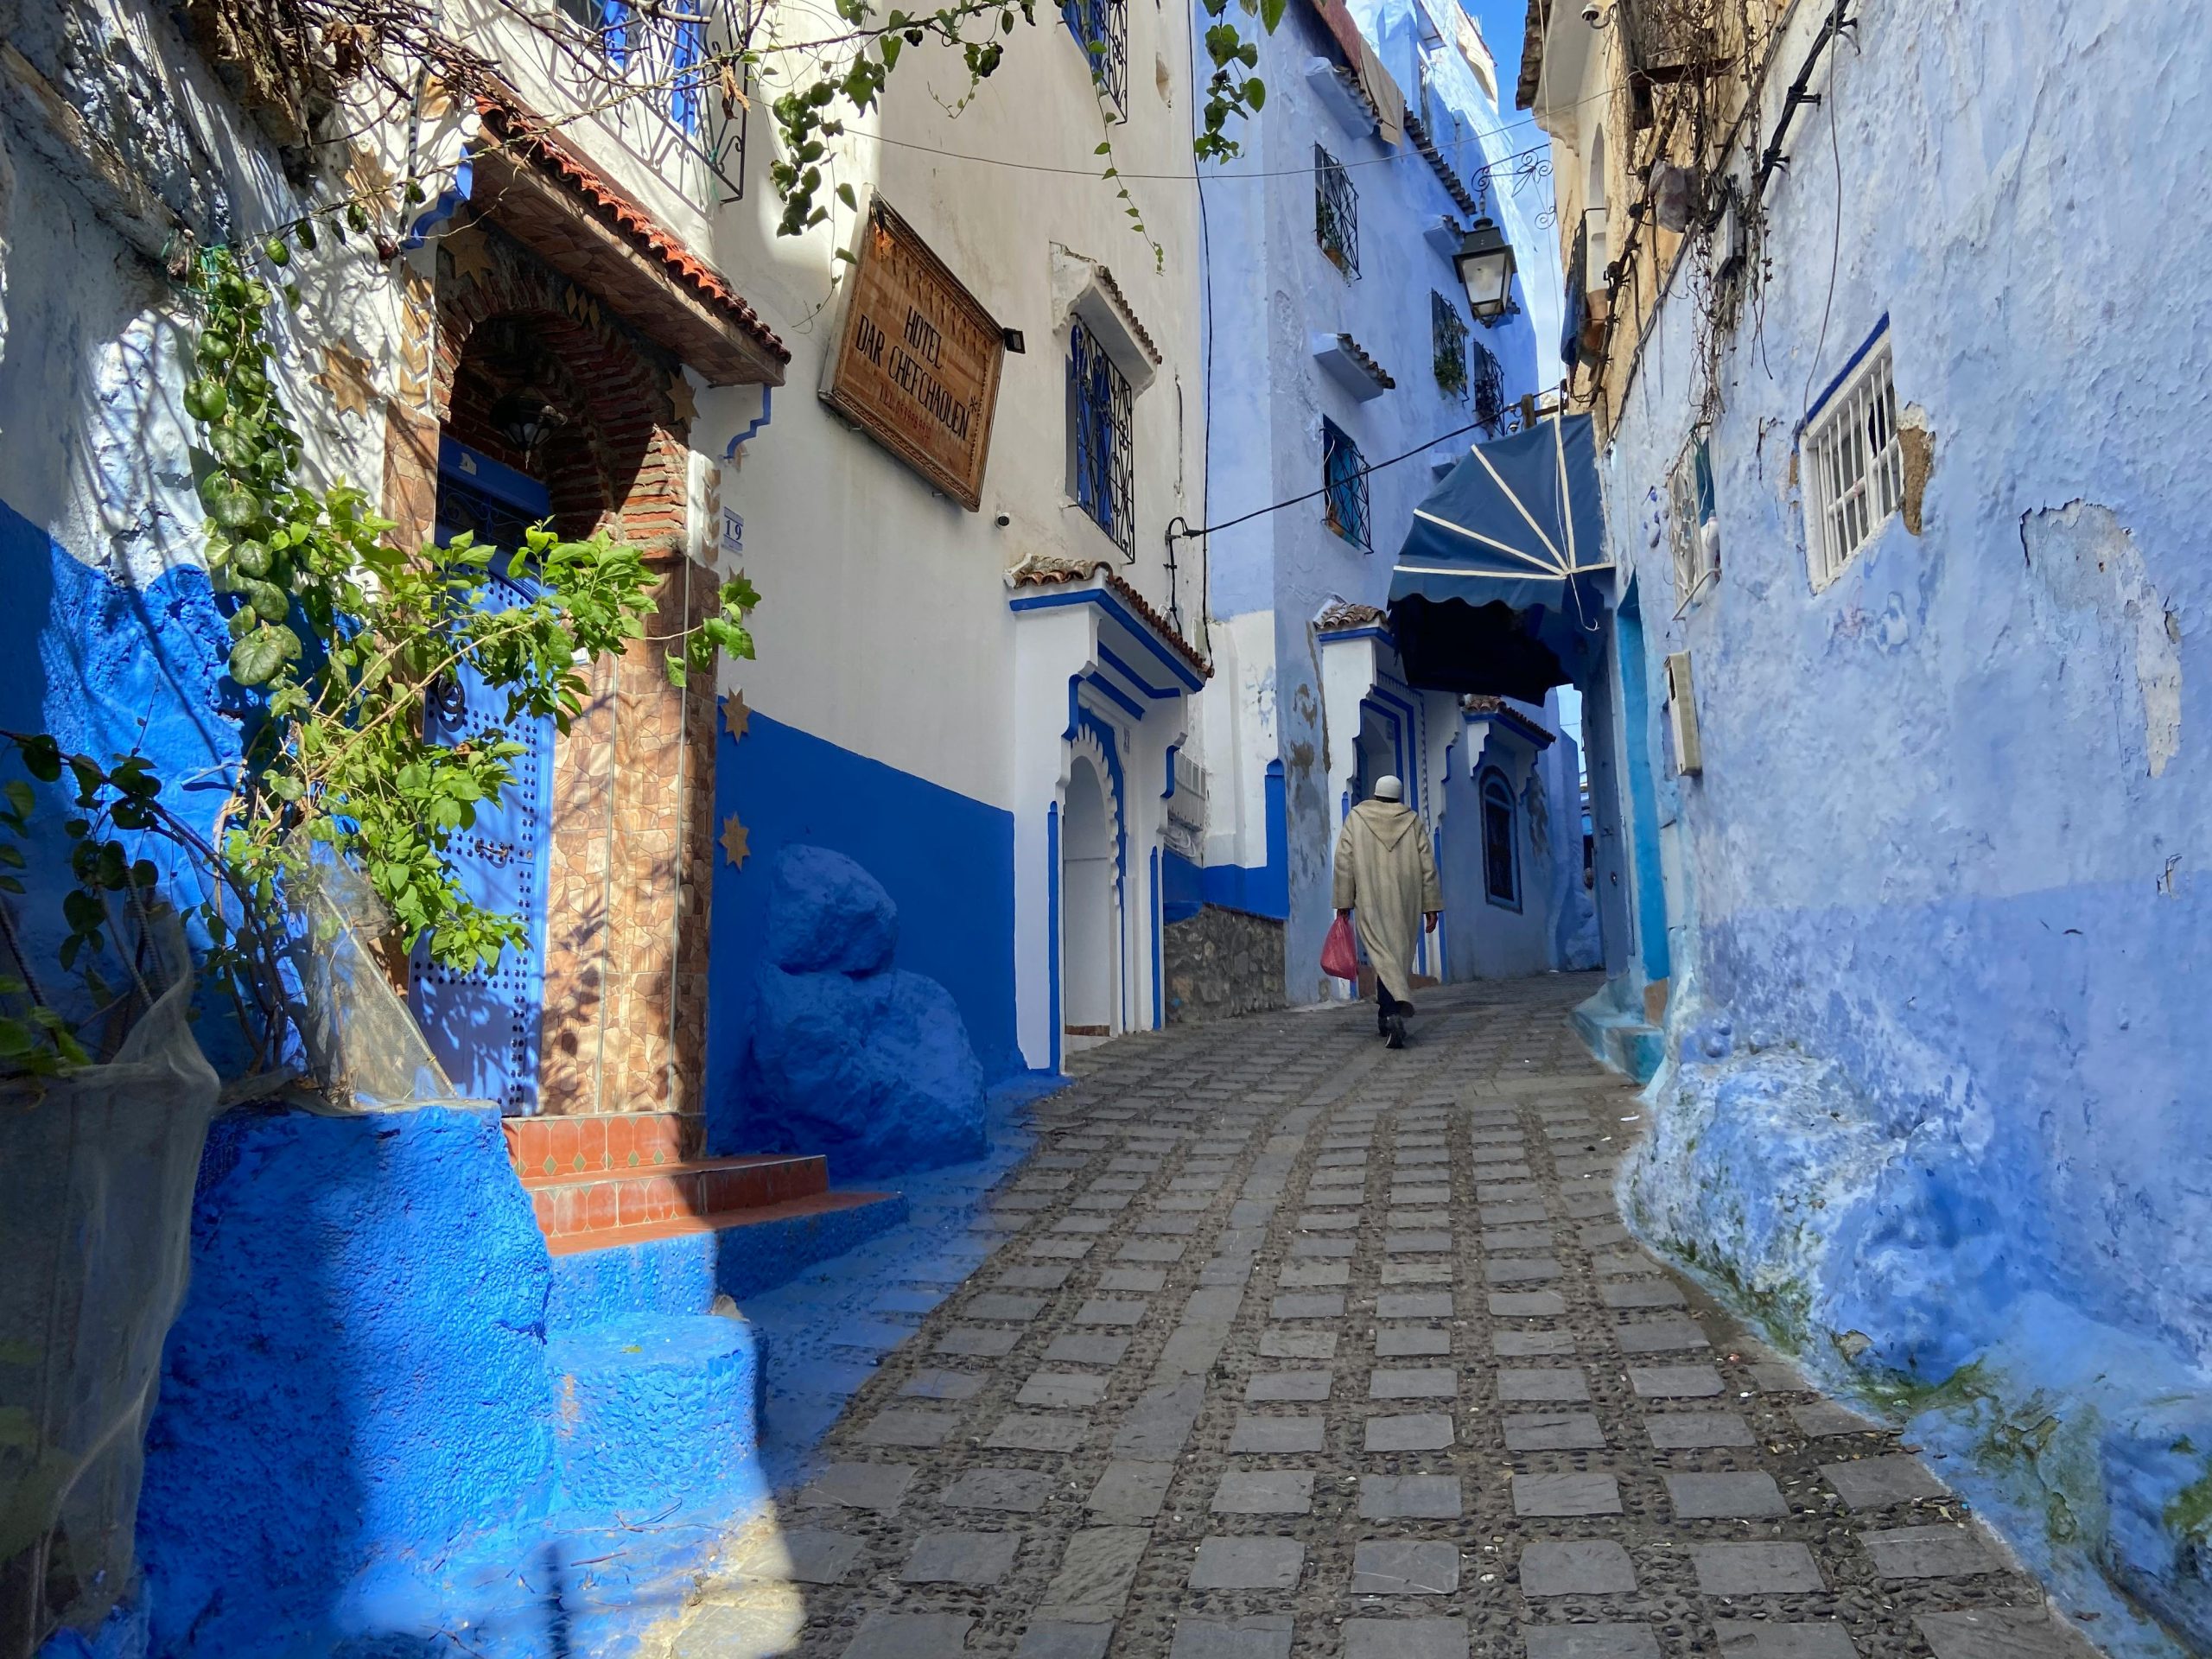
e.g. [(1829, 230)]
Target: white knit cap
[(1387, 788)]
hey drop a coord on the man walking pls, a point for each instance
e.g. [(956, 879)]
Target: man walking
[(1386, 871)]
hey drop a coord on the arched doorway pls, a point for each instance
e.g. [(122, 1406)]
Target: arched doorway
[(1089, 954)]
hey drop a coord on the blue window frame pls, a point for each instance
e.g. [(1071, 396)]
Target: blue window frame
[(679, 35), (1501, 861), (1101, 27), (1100, 409), (1344, 481)]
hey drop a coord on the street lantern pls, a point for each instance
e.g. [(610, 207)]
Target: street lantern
[(1484, 262), (524, 416)]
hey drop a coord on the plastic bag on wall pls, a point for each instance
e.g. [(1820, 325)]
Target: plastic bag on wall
[(95, 1241)]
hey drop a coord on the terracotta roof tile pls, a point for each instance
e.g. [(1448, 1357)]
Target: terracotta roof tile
[(1047, 571), (1343, 615), (526, 134), (1498, 708)]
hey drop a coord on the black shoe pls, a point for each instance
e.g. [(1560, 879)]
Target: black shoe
[(1395, 1031)]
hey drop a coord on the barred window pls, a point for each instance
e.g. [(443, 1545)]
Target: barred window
[(1343, 478), (1102, 29), (1099, 406), (1335, 213), (1500, 865), (1490, 390), (1856, 466), (1448, 334), (1695, 538)]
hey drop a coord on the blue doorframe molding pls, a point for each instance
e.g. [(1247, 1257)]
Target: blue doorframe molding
[(1159, 1003), (1052, 921), (1264, 891), (1644, 796)]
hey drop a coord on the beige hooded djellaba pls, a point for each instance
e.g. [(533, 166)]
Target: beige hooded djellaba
[(1386, 875)]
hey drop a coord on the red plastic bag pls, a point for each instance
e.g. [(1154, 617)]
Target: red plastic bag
[(1340, 951)]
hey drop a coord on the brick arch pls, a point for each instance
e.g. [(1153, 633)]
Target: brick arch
[(618, 464)]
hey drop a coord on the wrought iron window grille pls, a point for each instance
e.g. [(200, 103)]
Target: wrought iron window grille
[(1101, 407), (1101, 27), (1857, 466), (1344, 479), (1448, 334), (1489, 389), (689, 100), (1335, 213)]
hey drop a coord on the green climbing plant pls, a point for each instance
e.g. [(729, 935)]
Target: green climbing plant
[(344, 642)]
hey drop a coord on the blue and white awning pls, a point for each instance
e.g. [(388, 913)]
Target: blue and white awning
[(1500, 584)]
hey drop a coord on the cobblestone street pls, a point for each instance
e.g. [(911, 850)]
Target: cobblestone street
[(1296, 1346)]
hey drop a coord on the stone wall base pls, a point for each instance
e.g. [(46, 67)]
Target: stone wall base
[(1220, 963)]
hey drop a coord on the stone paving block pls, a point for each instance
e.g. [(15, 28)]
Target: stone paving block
[(1660, 1336), (1518, 1238), (1640, 1293), (1406, 1638), (1415, 1305), (910, 1426), (1107, 1203), (1347, 1158), (1931, 1552), (1096, 1572), (1081, 1225), (1314, 1275), (1170, 1226), (1086, 1347), (2001, 1633), (1684, 1431), (1756, 1569), (1410, 1341), (801, 1555), (1264, 1491), (1419, 1195), (1267, 1636), (1155, 1427), (1415, 1432), (1130, 1491), (1021, 1491), (1312, 1305), (978, 1341), (1024, 1432), (1419, 1498), (1599, 1234), (1418, 1271), (1248, 1564), (1410, 1244), (1418, 1221), (1053, 1638), (1113, 1310), (1746, 1638), (1265, 1436), (1334, 1249), (1527, 1304), (1589, 1205), (1396, 1566), (1584, 1566), (1421, 1149), (878, 1486), (911, 1636), (1507, 1191), (1329, 1221), (1675, 1381), (1151, 1250), (1566, 1495), (944, 1385), (1035, 1278), (1511, 1214), (1077, 1388), (1824, 1418), (978, 1558), (1776, 1378), (1296, 1387), (1725, 1497), (1021, 1201), (1520, 1269), (1530, 1345), (1877, 1483), (1564, 1431), (1559, 1383), (1422, 1383), (1278, 1342), (1590, 1641), (1620, 1264), (1136, 1279)]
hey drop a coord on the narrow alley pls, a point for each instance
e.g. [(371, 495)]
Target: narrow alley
[(1297, 1347)]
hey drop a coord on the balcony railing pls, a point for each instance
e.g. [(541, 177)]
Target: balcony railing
[(656, 72)]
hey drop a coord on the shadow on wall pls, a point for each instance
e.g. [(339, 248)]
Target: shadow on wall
[(848, 1055)]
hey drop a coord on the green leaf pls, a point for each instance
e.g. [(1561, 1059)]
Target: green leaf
[(845, 194), (1271, 13), (20, 796), (1255, 93), (256, 658)]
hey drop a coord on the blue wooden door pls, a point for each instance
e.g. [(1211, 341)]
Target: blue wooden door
[(483, 1024)]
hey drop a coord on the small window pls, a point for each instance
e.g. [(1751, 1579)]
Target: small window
[(1100, 407), (1448, 335), (1102, 29), (1500, 868), (1695, 531), (1335, 213), (1344, 479), (1855, 466), (1490, 390)]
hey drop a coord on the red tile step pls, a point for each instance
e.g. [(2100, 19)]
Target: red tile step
[(820, 1204)]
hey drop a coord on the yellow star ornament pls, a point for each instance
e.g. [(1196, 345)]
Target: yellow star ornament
[(736, 715), (736, 841), (680, 399), (470, 253)]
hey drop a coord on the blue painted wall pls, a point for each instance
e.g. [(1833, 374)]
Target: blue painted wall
[(947, 861), (1939, 1097)]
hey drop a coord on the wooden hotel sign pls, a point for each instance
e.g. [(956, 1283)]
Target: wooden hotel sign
[(917, 365)]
